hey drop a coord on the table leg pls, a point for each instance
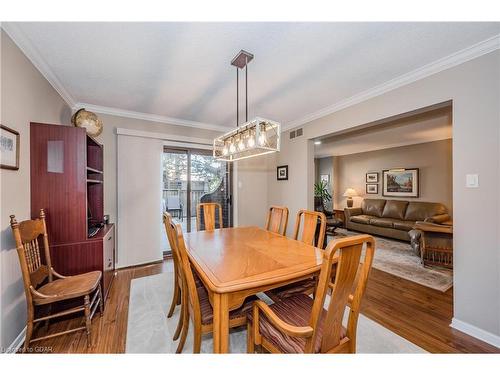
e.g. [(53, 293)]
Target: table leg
[(221, 323)]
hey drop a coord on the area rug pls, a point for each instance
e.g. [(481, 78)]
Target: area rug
[(397, 258), (150, 331)]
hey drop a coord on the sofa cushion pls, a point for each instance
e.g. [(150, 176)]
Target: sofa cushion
[(373, 207), (362, 219), (395, 209), (403, 225), (419, 211), (381, 222)]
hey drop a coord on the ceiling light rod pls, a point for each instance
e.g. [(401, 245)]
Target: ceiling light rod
[(241, 61)]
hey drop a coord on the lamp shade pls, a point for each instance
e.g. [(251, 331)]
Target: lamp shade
[(350, 192)]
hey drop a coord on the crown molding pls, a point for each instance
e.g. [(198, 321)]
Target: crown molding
[(149, 117), (457, 58), (31, 52)]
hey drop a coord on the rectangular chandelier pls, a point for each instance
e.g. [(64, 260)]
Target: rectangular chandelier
[(256, 137)]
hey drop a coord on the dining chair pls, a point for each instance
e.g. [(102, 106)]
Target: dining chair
[(209, 213), (43, 286), (301, 324), (312, 220), (277, 219), (176, 298), (195, 298)]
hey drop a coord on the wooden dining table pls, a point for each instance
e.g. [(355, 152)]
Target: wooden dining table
[(235, 263)]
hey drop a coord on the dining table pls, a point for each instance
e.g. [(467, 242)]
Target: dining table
[(235, 263)]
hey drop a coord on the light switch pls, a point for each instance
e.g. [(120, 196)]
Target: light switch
[(472, 180)]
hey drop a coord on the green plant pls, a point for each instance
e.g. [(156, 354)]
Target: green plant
[(321, 190)]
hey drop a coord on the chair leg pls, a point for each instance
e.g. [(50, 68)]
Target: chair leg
[(101, 301), (29, 332), (185, 328), (175, 298), (179, 324), (250, 339), (197, 339), (87, 319), (47, 322)]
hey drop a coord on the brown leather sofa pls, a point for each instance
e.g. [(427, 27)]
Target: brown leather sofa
[(393, 218)]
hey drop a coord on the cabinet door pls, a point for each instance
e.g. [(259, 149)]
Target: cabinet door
[(58, 180), (108, 258)]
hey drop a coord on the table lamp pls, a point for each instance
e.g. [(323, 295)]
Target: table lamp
[(349, 193)]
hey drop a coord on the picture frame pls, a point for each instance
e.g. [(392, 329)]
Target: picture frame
[(372, 177), (402, 182), (282, 173), (9, 148), (325, 178), (371, 188)]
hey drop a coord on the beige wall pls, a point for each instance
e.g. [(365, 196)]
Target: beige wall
[(433, 159), (475, 91), (25, 96), (109, 139)]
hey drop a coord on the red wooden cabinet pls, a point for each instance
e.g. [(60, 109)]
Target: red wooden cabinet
[(67, 181)]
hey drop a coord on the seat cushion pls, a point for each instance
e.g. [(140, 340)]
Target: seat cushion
[(373, 207), (403, 224), (419, 211), (207, 312), (395, 209), (362, 219), (382, 222), (70, 287), (295, 310), (300, 287)]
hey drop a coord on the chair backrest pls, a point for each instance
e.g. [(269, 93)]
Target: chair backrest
[(35, 266), (168, 223), (173, 202), (310, 226), (277, 219), (208, 215), (189, 284), (349, 275)]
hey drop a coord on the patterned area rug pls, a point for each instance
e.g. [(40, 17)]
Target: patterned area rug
[(397, 258), (150, 331)]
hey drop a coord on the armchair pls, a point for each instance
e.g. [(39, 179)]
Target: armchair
[(435, 243)]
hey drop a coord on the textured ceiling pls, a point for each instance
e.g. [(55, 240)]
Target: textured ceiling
[(182, 70)]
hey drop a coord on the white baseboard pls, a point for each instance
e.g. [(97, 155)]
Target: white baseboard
[(476, 332), (18, 342)]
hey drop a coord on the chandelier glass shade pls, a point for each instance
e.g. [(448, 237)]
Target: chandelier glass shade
[(253, 138), (256, 137)]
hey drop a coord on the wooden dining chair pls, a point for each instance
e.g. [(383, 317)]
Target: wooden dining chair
[(209, 215), (301, 324), (277, 219), (176, 298), (309, 233), (312, 220), (195, 298), (43, 286)]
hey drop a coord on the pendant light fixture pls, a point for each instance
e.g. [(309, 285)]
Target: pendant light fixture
[(253, 138)]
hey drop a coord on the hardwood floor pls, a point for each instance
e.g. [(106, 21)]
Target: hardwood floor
[(417, 313)]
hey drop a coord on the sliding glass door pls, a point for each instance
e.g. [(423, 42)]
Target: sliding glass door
[(190, 177)]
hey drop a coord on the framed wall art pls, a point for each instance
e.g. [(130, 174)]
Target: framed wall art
[(9, 148), (400, 183)]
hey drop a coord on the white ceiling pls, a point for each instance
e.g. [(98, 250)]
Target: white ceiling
[(183, 71), (426, 127)]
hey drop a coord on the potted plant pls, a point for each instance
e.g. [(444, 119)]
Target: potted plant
[(321, 195)]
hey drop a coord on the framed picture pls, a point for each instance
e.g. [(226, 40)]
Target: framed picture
[(400, 183), (325, 178), (9, 148), (371, 188), (282, 172), (372, 177)]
